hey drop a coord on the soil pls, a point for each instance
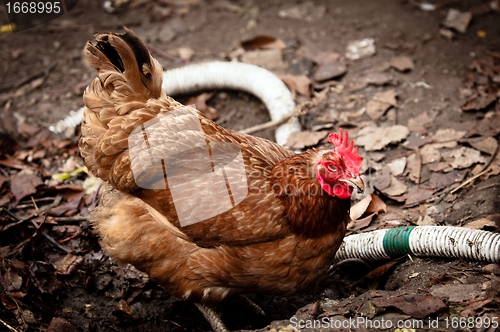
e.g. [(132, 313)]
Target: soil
[(101, 296)]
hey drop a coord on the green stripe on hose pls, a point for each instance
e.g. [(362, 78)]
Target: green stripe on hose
[(396, 241)]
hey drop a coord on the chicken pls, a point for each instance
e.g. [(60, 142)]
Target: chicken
[(206, 212)]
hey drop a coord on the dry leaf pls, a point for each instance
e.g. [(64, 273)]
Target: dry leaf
[(414, 166), (402, 63), (23, 184), (271, 59), (397, 188), (358, 209), (307, 11), (457, 20), (305, 138), (58, 324), (447, 135), (329, 71), (463, 157), (426, 221), (358, 49), (381, 270), (481, 224), (443, 180), (185, 53), (376, 138), (374, 78), (489, 145), (298, 83), (457, 292), (429, 154), (417, 194), (356, 225), (263, 42), (200, 103), (380, 103), (418, 306), (477, 103), (377, 205), (419, 123), (397, 166)]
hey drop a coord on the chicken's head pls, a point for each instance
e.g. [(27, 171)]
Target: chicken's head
[(338, 169)]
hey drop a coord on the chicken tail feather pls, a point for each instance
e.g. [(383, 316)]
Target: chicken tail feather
[(126, 94)]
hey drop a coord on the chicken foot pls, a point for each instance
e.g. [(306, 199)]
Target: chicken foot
[(252, 305), (212, 317)]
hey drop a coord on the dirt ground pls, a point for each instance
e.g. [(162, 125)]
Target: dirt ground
[(55, 277)]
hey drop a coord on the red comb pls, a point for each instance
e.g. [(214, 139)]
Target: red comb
[(348, 152)]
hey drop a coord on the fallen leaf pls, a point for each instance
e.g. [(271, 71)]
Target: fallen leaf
[(457, 20), (200, 103), (418, 306), (397, 166), (489, 126), (358, 49), (402, 63), (397, 188), (420, 123), (442, 180), (470, 310), (306, 138), (380, 103), (489, 145), (414, 166), (447, 33), (67, 264), (185, 53), (383, 179), (358, 209), (263, 42), (299, 83), (271, 59), (426, 221), (58, 324), (416, 194), (447, 135), (356, 225), (381, 270), (377, 205), (23, 184), (429, 154), (373, 78), (376, 138), (457, 292), (329, 71), (481, 224), (477, 103), (307, 11), (463, 157), (13, 280)]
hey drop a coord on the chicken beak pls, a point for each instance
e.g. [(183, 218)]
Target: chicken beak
[(356, 182)]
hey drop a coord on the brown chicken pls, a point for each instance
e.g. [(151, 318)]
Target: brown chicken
[(207, 212)]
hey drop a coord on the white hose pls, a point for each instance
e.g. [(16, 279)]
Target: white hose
[(422, 241), (223, 75)]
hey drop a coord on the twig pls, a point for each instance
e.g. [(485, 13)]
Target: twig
[(164, 55), (34, 215), (54, 242), (8, 326), (484, 171), (70, 219), (261, 126), (299, 109)]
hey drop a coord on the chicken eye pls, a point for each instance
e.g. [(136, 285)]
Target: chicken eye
[(331, 168)]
